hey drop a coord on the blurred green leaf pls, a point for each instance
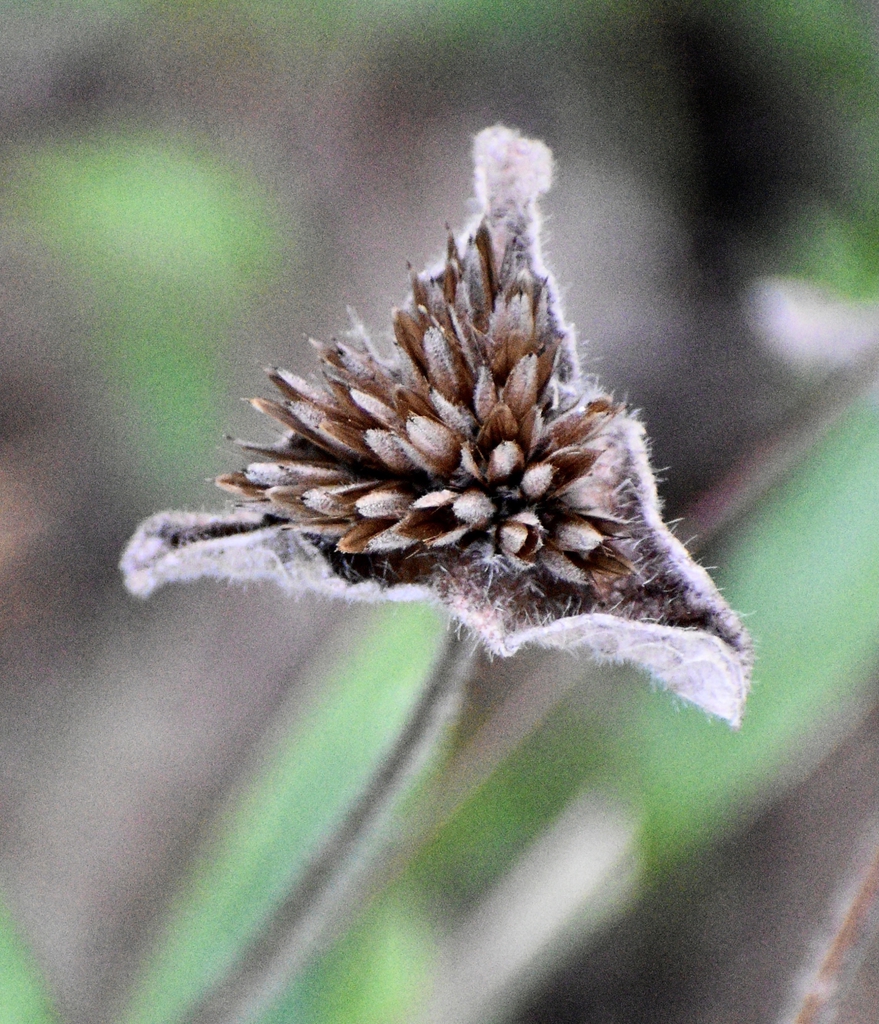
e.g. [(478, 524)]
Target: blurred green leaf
[(302, 791), (805, 572), (831, 40), (82, 8), (837, 252), (23, 999), (826, 50), (308, 26), (172, 245), (378, 973)]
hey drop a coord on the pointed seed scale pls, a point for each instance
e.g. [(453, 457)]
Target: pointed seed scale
[(347, 436), (291, 497), (469, 465), (562, 567), (583, 495), (571, 466), (409, 402), (536, 480), (356, 539), (321, 500), (475, 508), (500, 426), (441, 370), (331, 528), (450, 282), (434, 439), (237, 483), (456, 417), (409, 335), (449, 538), (608, 527), (485, 249), (435, 499), (534, 541), (278, 412), (384, 503), (513, 536), (611, 562), (505, 460), (358, 363), (575, 428), (484, 394), (387, 447), (513, 318), (466, 342), (346, 409), (388, 540), (530, 429), (376, 408), (520, 391), (295, 387), (516, 346), (577, 535), (275, 474), (532, 546), (425, 524), (268, 474), (546, 363)]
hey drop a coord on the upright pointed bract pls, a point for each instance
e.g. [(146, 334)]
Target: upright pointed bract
[(472, 465)]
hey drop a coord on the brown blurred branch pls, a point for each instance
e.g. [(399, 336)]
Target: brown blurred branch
[(334, 886), (733, 497), (844, 952)]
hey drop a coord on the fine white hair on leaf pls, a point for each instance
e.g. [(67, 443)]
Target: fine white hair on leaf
[(695, 665), (179, 547), (510, 174), (475, 468)]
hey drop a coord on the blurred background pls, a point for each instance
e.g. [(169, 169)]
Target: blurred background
[(187, 191)]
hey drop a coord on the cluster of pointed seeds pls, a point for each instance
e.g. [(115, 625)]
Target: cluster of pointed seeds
[(463, 440)]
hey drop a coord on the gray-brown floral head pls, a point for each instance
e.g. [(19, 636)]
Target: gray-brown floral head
[(472, 464)]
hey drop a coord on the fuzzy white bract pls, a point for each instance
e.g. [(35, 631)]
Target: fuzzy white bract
[(474, 466)]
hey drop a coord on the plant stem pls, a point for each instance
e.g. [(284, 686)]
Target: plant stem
[(843, 953), (336, 882), (732, 498)]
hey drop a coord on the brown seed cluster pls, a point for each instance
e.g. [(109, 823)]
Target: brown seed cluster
[(465, 439), (474, 466)]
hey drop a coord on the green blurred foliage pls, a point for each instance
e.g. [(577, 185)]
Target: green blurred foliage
[(840, 253), (825, 54), (172, 246), (378, 973), (267, 837), (305, 24), (83, 8), (805, 572), (22, 997)]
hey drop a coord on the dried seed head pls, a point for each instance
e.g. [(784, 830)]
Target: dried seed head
[(473, 465), (460, 412)]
